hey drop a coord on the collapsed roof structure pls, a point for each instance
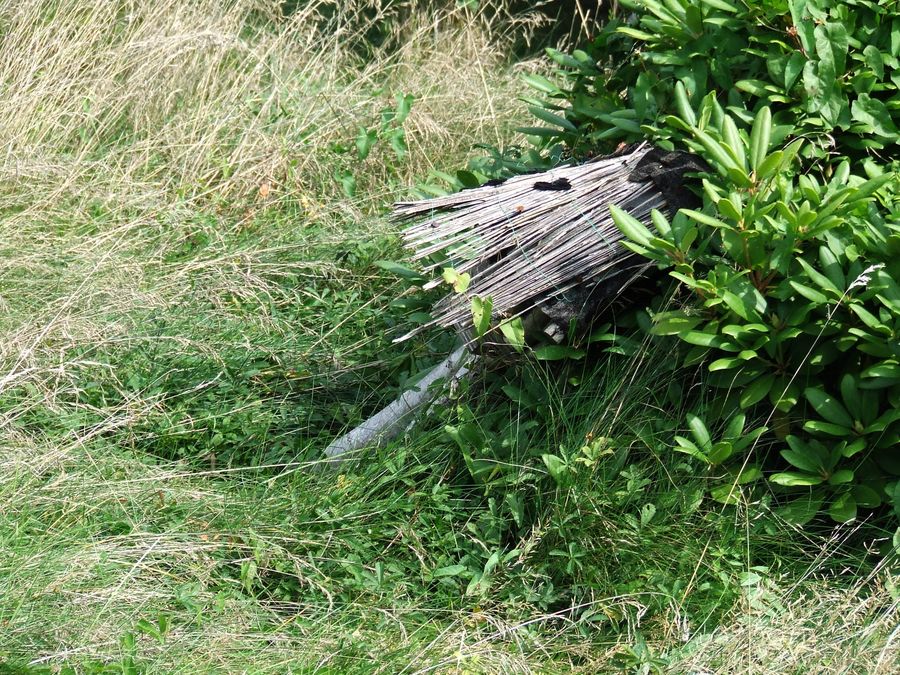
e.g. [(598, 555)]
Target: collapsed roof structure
[(542, 243), (545, 241)]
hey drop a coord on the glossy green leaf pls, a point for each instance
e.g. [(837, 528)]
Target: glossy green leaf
[(683, 105), (808, 292), (874, 114), (552, 118), (829, 428), (542, 84), (760, 137), (686, 446), (756, 391), (801, 510), (828, 407), (481, 314), (794, 478), (720, 451), (802, 459), (840, 477), (699, 432), (514, 332), (843, 508), (557, 353), (630, 226)]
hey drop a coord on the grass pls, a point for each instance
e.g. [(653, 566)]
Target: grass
[(190, 312)]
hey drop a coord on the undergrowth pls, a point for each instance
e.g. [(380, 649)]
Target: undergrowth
[(192, 205)]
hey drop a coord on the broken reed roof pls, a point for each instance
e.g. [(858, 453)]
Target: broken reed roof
[(534, 237)]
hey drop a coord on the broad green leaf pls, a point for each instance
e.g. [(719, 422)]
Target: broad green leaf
[(399, 270), (699, 432), (674, 325), (404, 105), (757, 88), (748, 439), (840, 477), (793, 69), (481, 314), (818, 278), (735, 426), (803, 460), (702, 339), (854, 448), (683, 105), (660, 223), (552, 118), (721, 5), (832, 268), (843, 508), (887, 370), (364, 142), (630, 226), (828, 407), (556, 467), (541, 132), (736, 304), (720, 451), (826, 428), (802, 509), (636, 34), (872, 185), (874, 60), (747, 474), (875, 115), (704, 219), (794, 478), (808, 293), (563, 59), (756, 391), (851, 396), (831, 46), (468, 179), (727, 493), (514, 332), (869, 319), (686, 446), (557, 353), (770, 165), (760, 137), (865, 496), (716, 152), (542, 84), (449, 571), (460, 282), (726, 364)]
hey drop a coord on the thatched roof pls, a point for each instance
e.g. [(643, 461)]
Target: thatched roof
[(536, 237)]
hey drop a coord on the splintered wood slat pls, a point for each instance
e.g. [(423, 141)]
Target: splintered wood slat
[(530, 238)]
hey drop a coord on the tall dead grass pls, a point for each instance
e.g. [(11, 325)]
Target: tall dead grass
[(127, 101), (121, 120), (129, 129)]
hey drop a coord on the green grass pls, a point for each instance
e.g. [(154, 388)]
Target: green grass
[(178, 347)]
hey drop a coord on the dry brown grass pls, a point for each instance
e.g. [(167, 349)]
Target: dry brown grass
[(121, 120), (132, 102), (127, 129), (820, 625)]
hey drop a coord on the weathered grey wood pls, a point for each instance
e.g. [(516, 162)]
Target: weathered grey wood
[(543, 244), (531, 238), (399, 415)]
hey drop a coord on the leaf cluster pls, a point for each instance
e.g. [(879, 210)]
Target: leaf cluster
[(793, 261), (796, 308), (827, 69)]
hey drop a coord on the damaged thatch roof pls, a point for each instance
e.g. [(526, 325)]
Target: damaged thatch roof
[(535, 238)]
